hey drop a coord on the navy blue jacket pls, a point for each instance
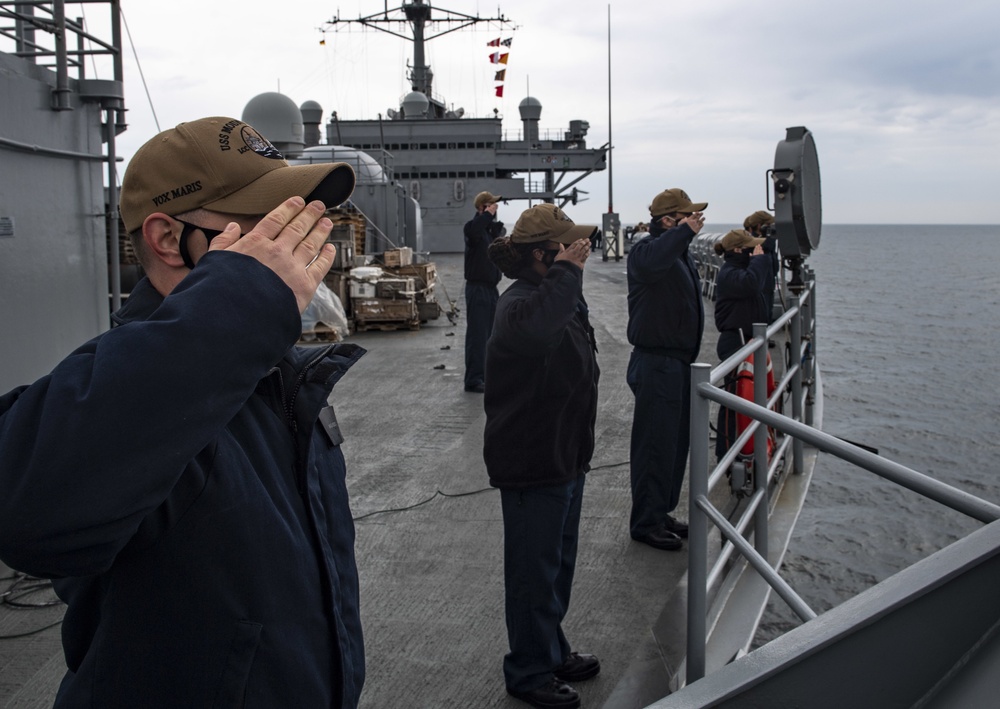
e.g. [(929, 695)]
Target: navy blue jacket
[(480, 231), (176, 478), (740, 292), (665, 312), (541, 382)]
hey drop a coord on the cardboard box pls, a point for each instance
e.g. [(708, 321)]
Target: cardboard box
[(398, 257)]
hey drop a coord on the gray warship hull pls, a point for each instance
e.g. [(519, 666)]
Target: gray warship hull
[(443, 164)]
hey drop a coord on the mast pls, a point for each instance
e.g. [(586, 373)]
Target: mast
[(417, 14), (421, 78), (611, 202)]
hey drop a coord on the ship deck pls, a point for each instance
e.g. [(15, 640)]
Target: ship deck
[(430, 532)]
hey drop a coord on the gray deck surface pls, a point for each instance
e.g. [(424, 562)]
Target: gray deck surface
[(431, 575)]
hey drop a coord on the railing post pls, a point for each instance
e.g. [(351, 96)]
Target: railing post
[(760, 461), (798, 459), (698, 523), (116, 40), (111, 214), (24, 31), (78, 30), (809, 322)]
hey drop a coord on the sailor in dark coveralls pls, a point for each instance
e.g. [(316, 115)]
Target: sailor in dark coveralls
[(741, 299), (180, 477), (665, 325), (481, 278), (761, 224), (541, 405)]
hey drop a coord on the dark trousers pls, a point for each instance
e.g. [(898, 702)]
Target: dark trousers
[(660, 437), (541, 530), (480, 308)]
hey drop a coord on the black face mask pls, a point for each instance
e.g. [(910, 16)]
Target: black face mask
[(186, 232), (549, 257)]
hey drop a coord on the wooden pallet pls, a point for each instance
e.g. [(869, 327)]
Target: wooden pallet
[(386, 325)]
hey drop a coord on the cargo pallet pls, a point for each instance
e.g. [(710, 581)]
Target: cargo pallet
[(385, 314), (385, 325)]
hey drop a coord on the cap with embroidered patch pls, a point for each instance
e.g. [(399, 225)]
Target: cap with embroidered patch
[(224, 165), (546, 222), (674, 200)]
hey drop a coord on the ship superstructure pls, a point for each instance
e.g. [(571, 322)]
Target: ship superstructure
[(440, 158)]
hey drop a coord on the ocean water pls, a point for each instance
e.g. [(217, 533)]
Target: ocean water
[(908, 344)]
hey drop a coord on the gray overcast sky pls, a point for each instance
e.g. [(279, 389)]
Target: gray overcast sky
[(901, 95)]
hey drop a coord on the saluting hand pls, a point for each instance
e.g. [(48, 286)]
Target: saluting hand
[(695, 220), (291, 241), (576, 253)]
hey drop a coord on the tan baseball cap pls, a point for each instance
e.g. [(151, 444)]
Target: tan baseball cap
[(224, 165), (739, 239), (674, 200), (546, 222), (484, 199), (758, 218)]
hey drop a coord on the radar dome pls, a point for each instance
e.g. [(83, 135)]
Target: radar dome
[(312, 116), (415, 105), (277, 118), (311, 112), (367, 169), (530, 108)]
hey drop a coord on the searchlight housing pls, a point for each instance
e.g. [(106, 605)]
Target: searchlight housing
[(798, 211)]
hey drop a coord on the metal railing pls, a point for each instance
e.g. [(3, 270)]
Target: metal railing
[(41, 33), (797, 431)]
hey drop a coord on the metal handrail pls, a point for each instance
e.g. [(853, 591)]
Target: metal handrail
[(701, 480), (56, 28), (798, 430), (958, 500), (54, 152), (60, 56)]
